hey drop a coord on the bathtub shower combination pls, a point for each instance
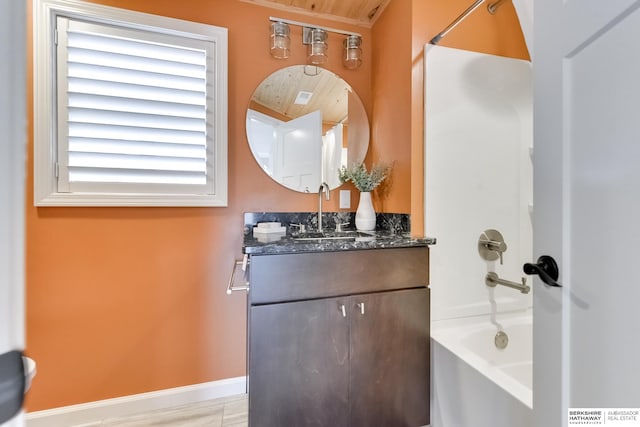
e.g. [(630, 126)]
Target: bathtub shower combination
[(478, 191)]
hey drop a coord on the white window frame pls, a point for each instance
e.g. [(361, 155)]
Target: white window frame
[(45, 105)]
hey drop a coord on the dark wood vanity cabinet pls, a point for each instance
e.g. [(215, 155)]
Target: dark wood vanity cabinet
[(299, 365), (389, 355), (339, 357)]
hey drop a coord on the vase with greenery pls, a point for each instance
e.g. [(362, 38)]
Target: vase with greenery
[(365, 181)]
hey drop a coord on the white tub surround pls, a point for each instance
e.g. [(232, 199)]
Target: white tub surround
[(478, 152), (479, 134)]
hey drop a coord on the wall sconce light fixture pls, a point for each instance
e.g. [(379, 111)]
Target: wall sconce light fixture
[(317, 42), (280, 40), (316, 39), (352, 56)]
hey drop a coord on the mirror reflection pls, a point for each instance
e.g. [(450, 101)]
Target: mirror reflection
[(303, 124)]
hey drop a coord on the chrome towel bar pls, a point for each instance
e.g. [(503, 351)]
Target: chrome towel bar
[(238, 281)]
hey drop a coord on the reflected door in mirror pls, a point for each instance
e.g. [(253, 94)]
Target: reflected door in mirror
[(297, 153)]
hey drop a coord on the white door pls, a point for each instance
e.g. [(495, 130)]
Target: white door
[(12, 174), (298, 153), (587, 206)]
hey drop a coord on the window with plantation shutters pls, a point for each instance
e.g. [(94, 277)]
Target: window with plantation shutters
[(139, 111)]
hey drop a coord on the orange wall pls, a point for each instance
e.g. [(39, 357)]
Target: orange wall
[(498, 34), (399, 36), (391, 118), (130, 300)]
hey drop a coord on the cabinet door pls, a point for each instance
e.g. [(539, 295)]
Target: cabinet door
[(299, 364), (390, 359)]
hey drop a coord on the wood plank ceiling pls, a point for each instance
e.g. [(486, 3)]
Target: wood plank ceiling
[(278, 92), (357, 12)]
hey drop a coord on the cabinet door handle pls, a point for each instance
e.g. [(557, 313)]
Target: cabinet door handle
[(360, 305), (343, 309)]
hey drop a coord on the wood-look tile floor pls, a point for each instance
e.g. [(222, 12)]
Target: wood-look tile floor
[(229, 411)]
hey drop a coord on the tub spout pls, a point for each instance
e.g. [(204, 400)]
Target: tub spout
[(492, 280)]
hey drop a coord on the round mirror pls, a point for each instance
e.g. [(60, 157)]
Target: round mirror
[(303, 124)]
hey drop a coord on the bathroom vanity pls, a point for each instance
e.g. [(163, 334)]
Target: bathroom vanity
[(338, 322), (338, 331)]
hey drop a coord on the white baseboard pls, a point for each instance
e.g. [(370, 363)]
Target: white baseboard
[(93, 412)]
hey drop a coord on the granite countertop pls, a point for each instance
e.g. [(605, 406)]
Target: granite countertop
[(293, 244), (392, 231)]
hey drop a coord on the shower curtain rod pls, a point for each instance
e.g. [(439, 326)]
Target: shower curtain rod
[(492, 9)]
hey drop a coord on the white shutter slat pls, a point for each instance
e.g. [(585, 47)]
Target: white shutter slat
[(90, 130), (117, 176), (140, 120), (141, 163), (123, 90), (114, 103), (143, 78), (95, 145), (79, 38), (134, 63)]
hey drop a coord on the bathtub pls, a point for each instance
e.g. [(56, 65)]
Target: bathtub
[(475, 384)]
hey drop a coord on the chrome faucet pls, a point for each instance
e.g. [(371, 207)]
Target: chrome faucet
[(323, 187)]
